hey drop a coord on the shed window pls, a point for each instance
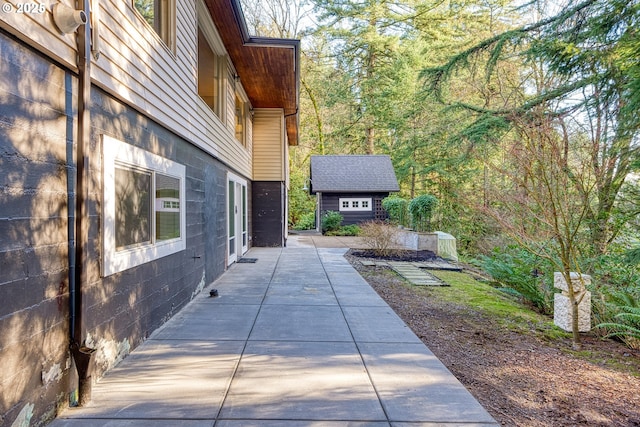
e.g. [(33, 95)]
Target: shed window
[(353, 204)]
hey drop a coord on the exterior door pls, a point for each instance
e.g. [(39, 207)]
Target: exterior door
[(237, 241)]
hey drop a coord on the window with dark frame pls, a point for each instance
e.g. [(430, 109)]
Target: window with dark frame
[(160, 15), (208, 74)]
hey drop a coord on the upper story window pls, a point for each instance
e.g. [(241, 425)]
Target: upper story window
[(209, 75), (161, 15), (240, 119)]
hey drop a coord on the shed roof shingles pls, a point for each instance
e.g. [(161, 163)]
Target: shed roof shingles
[(353, 173)]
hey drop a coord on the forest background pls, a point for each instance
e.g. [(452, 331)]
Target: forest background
[(521, 118)]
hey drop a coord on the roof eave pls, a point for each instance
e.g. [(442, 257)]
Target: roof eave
[(278, 86)]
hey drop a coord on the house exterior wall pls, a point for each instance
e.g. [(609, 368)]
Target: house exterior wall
[(33, 237), (269, 149), (145, 95), (136, 67), (330, 202), (37, 145)]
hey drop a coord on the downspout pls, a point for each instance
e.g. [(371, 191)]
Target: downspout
[(82, 355)]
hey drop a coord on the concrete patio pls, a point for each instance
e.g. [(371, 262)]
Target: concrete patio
[(297, 338)]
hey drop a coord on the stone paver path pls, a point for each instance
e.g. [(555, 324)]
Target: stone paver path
[(414, 274)]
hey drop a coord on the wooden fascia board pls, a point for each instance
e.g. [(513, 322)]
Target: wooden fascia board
[(229, 19)]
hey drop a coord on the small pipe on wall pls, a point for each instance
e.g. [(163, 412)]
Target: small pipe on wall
[(83, 356)]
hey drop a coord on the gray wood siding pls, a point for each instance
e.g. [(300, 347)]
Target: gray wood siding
[(330, 202)]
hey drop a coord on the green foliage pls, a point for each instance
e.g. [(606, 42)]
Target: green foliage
[(613, 271), (301, 204), (633, 256), (396, 207), (422, 209), (518, 269), (345, 230), (478, 296), (146, 9), (624, 317), (306, 221), (331, 221), (583, 64)]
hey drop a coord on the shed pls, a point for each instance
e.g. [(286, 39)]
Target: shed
[(353, 185)]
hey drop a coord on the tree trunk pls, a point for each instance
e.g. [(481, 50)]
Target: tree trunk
[(371, 140)]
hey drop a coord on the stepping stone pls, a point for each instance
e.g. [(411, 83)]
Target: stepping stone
[(416, 276)]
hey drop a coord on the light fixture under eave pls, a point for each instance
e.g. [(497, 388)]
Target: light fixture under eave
[(68, 19)]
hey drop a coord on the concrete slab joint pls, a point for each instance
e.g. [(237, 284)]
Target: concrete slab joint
[(298, 338)]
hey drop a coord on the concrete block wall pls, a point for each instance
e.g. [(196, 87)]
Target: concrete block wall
[(37, 143)]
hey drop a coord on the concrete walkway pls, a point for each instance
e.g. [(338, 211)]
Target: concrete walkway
[(297, 338)]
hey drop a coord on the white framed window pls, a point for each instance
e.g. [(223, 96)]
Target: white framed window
[(144, 210), (353, 204)]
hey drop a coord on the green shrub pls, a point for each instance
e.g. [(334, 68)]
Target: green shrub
[(528, 275), (620, 316), (346, 230), (350, 230), (421, 209), (396, 207), (306, 222), (331, 221), (613, 270)]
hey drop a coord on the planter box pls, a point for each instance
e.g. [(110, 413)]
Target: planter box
[(438, 242)]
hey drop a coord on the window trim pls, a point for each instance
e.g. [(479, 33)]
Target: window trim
[(166, 32), (116, 152), (208, 29), (355, 204)]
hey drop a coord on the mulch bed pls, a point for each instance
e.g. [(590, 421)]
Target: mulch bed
[(520, 378)]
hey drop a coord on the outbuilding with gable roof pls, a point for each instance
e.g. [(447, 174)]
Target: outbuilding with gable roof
[(353, 185)]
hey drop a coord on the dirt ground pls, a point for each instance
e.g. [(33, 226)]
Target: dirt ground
[(521, 378)]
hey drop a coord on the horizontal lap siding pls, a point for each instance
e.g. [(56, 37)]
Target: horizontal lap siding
[(136, 67), (330, 202), (38, 30), (268, 150), (142, 71)]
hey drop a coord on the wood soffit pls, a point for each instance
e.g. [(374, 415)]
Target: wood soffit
[(267, 67)]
